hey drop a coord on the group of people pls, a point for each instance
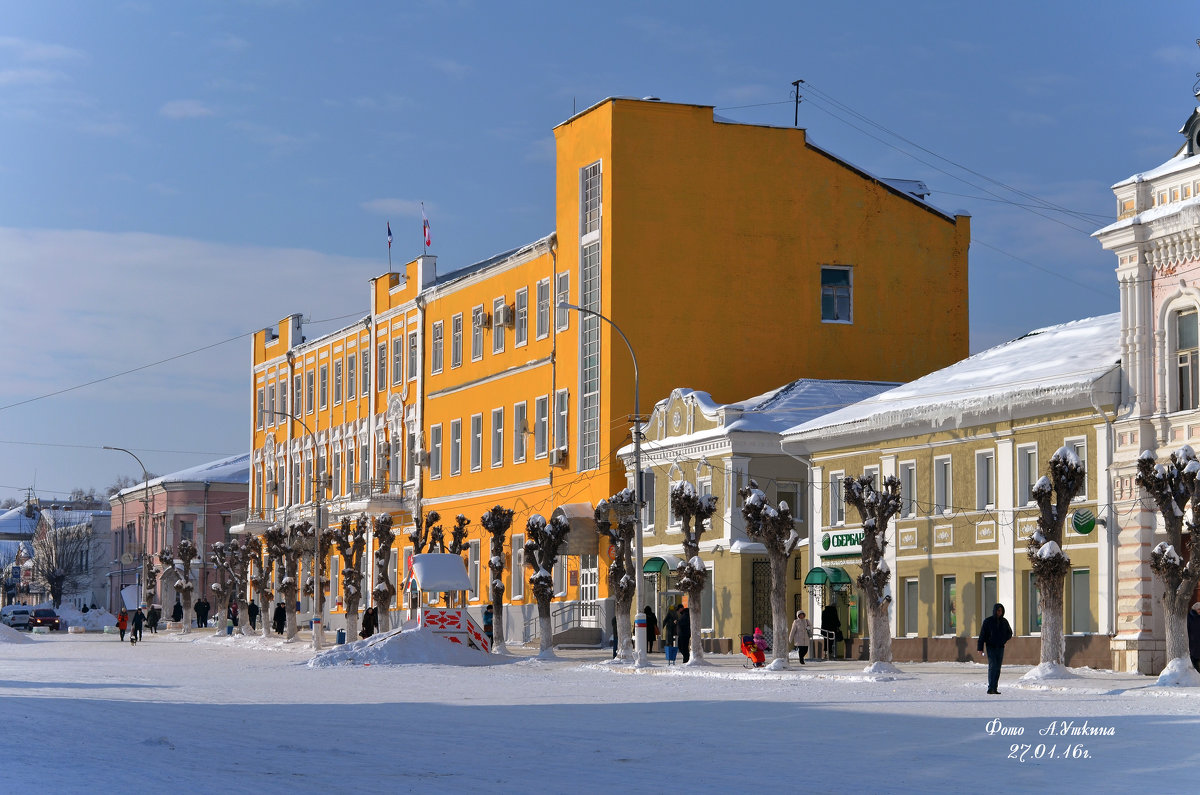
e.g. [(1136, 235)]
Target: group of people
[(133, 624), (676, 632)]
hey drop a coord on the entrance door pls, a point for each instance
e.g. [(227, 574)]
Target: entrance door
[(589, 576), (760, 596)]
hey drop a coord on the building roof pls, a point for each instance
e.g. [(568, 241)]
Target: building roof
[(1067, 364), (235, 469)]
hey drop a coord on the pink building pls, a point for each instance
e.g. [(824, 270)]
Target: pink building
[(196, 504)]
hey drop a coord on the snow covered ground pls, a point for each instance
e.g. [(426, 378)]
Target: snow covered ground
[(247, 715)]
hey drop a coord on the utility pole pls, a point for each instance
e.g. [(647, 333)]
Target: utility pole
[(796, 95)]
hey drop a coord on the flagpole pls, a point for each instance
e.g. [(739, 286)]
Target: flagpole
[(389, 231), (424, 232)]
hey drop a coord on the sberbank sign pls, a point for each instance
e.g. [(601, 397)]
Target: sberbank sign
[(839, 541)]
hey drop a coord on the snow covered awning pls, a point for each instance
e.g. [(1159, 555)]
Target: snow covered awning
[(659, 562), (827, 575), (440, 572)]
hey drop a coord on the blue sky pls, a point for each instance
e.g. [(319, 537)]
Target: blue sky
[(178, 174)]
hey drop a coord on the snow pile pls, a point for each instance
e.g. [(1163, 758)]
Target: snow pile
[(1049, 550), (92, 620), (1168, 553), (1047, 671), (881, 668), (1179, 673), (403, 647), (777, 665), (10, 635)]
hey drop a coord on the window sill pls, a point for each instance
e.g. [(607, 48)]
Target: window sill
[(838, 322)]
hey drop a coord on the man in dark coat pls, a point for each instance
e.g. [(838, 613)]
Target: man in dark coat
[(201, 609), (152, 618), (279, 618), (252, 612), (369, 623), (177, 611), (685, 633), (992, 637), (139, 621), (1193, 625)]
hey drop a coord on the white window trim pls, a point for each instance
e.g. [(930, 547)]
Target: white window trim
[(455, 444), (477, 329), (911, 498), (912, 632), (339, 382), (473, 447), (412, 355), (541, 335), (520, 419), (792, 486), (1021, 451), (497, 434), (837, 499), (1070, 442), (948, 497), (561, 444), (849, 321), (458, 318), (437, 357), (517, 341), (518, 567), (988, 454), (435, 451), (399, 353), (546, 433), (323, 387), (497, 326), (562, 317), (674, 523)]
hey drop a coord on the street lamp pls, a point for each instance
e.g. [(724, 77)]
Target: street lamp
[(145, 521), (639, 619), (318, 487)]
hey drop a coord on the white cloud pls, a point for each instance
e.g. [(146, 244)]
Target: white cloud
[(450, 68), (404, 208), (231, 42), (185, 109), (29, 77), (280, 142), (26, 50)]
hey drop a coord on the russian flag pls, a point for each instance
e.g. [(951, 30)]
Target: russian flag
[(389, 226), (425, 229)]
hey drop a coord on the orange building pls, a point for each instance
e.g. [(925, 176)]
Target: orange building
[(733, 256)]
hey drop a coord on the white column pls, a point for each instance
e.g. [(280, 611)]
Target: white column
[(1105, 535), (1006, 524), (887, 469)]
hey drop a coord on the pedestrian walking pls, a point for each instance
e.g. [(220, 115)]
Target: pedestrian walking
[(685, 633), (1193, 628), (279, 618), (152, 618), (139, 621), (369, 623), (994, 633), (670, 632), (201, 609), (651, 628), (487, 624), (799, 634), (614, 635), (252, 612), (122, 622)]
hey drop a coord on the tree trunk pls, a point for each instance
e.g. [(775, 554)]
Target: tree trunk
[(264, 613), (1050, 590), (545, 627), (498, 645), (880, 630), (779, 611), (1175, 610), (187, 611), (696, 629), (624, 606), (289, 584)]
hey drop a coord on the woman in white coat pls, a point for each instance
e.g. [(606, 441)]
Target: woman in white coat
[(800, 633)]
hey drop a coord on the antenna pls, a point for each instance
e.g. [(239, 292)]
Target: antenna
[(796, 94)]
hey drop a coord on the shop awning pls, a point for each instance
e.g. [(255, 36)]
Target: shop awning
[(827, 575), (440, 572), (659, 562)]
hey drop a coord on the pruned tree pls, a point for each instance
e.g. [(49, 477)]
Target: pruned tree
[(621, 584), (319, 568), (773, 527), (459, 534), (222, 588), (426, 531), (1172, 486), (150, 586), (542, 543), (61, 558), (497, 522), (876, 509), (181, 562), (694, 512), (261, 570), (285, 548), (1053, 494), (384, 590), (351, 540), (238, 571)]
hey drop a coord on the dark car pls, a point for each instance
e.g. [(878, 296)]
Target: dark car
[(44, 617)]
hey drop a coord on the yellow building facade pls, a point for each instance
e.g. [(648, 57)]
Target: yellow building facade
[(727, 254)]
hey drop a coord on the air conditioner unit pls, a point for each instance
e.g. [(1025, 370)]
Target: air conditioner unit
[(507, 315), (422, 458), (558, 457), (483, 320)]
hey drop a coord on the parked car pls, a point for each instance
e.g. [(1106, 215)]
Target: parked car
[(15, 616), (44, 617)]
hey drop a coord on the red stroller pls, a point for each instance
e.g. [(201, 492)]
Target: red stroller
[(753, 653)]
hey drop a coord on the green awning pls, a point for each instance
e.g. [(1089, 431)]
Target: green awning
[(827, 575), (659, 562)]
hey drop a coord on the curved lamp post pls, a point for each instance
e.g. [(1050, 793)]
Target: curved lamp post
[(639, 619), (146, 520)]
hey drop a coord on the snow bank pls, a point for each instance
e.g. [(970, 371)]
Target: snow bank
[(1179, 673), (1047, 671), (881, 668), (404, 647), (92, 620), (10, 635)]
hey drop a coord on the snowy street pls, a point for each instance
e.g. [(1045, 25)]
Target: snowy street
[(244, 715)]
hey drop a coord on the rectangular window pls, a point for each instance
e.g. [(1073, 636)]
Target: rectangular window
[(559, 575), (295, 495), (1027, 474), (497, 437), (543, 308), (476, 442), (261, 409), (455, 447), (518, 567), (381, 368), (912, 607), (473, 568), (296, 390), (1079, 447), (949, 606), (561, 407), (836, 293), (908, 490), (456, 341), (410, 461), (351, 480), (647, 499), (498, 310), (366, 377), (541, 429), (310, 380), (282, 406), (323, 386), (351, 381), (1081, 602), (337, 383), (941, 486), (589, 357), (435, 354), (562, 295), (985, 480), (589, 199), (1187, 346), (477, 333), (270, 418), (337, 473), (988, 596), (435, 452), (673, 519), (519, 431), (398, 360), (1033, 604), (412, 356), (521, 325), (837, 503), (793, 494)]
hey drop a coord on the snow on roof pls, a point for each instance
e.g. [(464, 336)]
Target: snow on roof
[(1056, 364), (440, 572), (495, 259), (1179, 162), (235, 469), (15, 522)]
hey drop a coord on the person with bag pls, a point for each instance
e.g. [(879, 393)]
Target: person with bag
[(122, 622), (651, 628), (670, 631), (799, 634)]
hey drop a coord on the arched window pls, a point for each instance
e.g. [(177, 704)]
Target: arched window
[(1187, 352)]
